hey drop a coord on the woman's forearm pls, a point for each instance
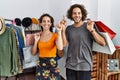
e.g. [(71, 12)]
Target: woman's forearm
[(34, 48), (59, 41)]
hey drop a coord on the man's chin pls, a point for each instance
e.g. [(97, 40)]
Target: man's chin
[(76, 21)]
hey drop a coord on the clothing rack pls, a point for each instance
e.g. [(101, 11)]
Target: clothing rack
[(8, 20), (12, 21)]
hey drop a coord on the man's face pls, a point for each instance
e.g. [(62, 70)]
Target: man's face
[(77, 15)]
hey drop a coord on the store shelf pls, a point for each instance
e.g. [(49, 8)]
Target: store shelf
[(113, 73), (100, 64)]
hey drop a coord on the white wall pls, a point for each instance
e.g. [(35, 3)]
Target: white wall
[(108, 12), (115, 20), (104, 9), (58, 8), (11, 9)]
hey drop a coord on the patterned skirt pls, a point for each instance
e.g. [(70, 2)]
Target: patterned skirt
[(47, 69)]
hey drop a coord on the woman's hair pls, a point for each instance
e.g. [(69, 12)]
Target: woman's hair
[(51, 19), (81, 7)]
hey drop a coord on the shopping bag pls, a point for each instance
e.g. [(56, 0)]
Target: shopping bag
[(104, 28), (116, 40), (108, 49), (30, 60), (29, 39)]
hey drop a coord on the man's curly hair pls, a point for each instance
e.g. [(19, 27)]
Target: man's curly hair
[(81, 7)]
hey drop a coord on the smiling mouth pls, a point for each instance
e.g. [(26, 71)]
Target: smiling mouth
[(77, 19)]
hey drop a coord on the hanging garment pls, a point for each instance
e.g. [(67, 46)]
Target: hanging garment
[(8, 53)]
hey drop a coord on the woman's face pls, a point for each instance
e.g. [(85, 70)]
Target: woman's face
[(46, 23)]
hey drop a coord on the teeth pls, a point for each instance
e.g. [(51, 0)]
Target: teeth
[(46, 26), (76, 19)]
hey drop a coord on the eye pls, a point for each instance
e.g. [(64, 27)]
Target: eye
[(43, 21), (79, 12), (74, 13), (48, 21)]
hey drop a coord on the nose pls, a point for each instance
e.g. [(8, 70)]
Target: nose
[(77, 14)]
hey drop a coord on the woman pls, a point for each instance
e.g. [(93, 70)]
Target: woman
[(47, 42)]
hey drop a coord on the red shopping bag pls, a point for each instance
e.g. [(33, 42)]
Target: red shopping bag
[(103, 28)]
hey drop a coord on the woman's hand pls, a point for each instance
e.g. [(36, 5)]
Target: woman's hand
[(37, 37), (59, 26)]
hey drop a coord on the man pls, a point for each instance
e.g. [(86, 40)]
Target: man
[(79, 37)]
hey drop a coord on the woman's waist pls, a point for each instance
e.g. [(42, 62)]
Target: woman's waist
[(47, 55), (47, 61)]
